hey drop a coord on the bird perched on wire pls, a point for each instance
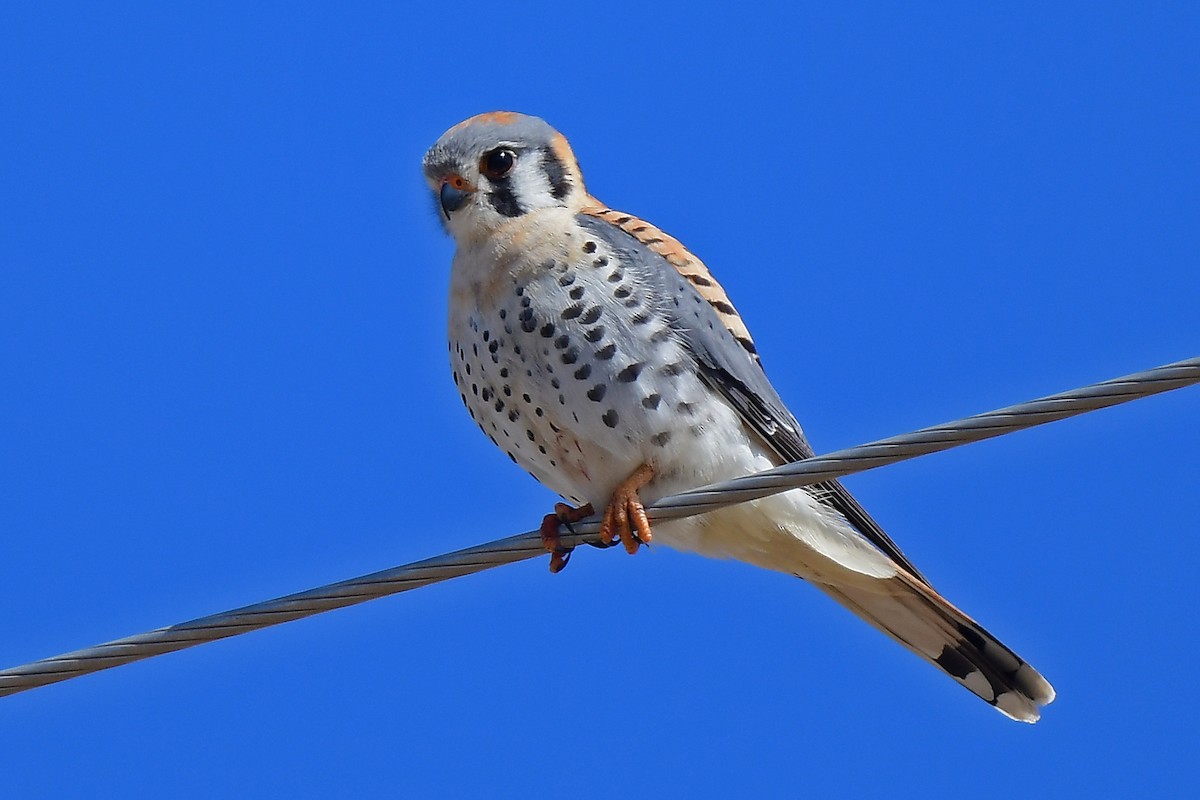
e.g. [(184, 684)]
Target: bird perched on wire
[(605, 359)]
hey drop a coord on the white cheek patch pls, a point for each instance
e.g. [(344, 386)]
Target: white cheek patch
[(528, 183)]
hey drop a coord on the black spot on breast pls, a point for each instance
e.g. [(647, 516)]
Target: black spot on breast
[(622, 292), (486, 395), (660, 336), (530, 435), (499, 406), (610, 418), (503, 313), (589, 247), (572, 311), (630, 373), (562, 341), (608, 351), (494, 346), (583, 372), (595, 394), (592, 315), (576, 293), (507, 391), (671, 370), (595, 334), (547, 330), (699, 280), (660, 439), (504, 372), (652, 401), (687, 409), (468, 368), (616, 276), (571, 356), (514, 415), (555, 383), (539, 412), (640, 318), (567, 280)]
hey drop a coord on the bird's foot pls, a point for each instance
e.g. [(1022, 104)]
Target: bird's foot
[(625, 517), (563, 515)]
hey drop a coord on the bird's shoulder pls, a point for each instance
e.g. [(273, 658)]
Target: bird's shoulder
[(681, 260)]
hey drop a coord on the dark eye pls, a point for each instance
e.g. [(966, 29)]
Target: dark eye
[(497, 163)]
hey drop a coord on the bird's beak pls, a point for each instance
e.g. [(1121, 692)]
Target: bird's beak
[(453, 194)]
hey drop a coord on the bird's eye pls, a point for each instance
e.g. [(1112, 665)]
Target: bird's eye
[(497, 163)]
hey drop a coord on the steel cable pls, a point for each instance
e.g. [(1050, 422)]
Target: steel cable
[(528, 545)]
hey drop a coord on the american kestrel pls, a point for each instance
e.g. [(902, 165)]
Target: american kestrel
[(605, 359)]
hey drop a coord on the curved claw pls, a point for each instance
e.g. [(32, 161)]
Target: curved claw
[(563, 515)]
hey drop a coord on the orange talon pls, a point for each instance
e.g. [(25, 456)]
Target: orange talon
[(624, 507), (563, 515)]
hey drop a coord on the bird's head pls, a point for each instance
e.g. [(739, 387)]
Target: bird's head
[(497, 166)]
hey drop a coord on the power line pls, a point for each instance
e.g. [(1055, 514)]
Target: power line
[(528, 545)]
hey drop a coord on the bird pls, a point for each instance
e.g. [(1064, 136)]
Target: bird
[(602, 356)]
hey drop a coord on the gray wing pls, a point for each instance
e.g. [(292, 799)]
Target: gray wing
[(728, 367)]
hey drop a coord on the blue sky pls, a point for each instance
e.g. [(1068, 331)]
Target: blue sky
[(222, 294)]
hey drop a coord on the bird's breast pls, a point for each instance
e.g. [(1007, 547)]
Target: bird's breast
[(567, 359)]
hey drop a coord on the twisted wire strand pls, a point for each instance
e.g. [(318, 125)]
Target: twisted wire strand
[(528, 545)]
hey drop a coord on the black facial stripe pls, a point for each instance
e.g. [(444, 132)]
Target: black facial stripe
[(503, 200), (556, 173)]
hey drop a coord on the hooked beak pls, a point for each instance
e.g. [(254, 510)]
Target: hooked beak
[(453, 197)]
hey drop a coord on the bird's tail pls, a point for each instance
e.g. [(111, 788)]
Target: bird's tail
[(922, 620)]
